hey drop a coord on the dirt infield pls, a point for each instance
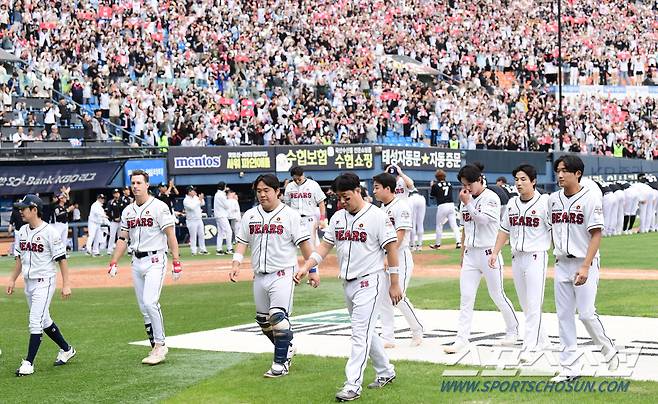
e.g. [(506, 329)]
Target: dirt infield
[(217, 271)]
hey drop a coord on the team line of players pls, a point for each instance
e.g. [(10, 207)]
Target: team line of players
[(373, 251)]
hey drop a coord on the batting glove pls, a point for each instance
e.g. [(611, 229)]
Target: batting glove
[(113, 270), (178, 269)]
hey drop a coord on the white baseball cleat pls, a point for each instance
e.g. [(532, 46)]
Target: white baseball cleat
[(457, 346), (277, 370), (26, 369), (292, 350), (64, 356), (156, 356), (509, 340), (417, 340), (613, 363)]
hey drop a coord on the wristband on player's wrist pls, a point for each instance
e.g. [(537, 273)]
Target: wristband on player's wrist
[(313, 270), (393, 270), (238, 257), (317, 257)]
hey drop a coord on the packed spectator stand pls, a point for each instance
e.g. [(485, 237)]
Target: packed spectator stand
[(216, 72)]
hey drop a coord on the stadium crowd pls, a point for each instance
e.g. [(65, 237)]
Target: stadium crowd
[(230, 72)]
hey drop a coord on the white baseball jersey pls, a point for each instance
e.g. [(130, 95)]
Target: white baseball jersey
[(38, 249), (220, 204), (591, 185), (304, 198), (481, 219), (399, 213), (401, 190), (528, 223), (273, 237), (572, 218), (97, 213), (360, 240), (145, 224), (234, 209), (192, 205)]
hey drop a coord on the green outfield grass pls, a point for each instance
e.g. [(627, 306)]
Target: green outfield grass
[(636, 251), (101, 322)]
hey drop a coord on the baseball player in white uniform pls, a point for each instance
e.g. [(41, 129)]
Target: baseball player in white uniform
[(362, 234), (305, 196), (234, 214), (221, 211), (97, 218), (194, 220), (417, 203), (480, 209), (399, 214), (620, 199), (403, 183), (526, 223), (577, 223), (445, 209), (37, 249), (273, 231), (148, 226), (646, 199)]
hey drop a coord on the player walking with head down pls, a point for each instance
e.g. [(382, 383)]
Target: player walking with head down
[(527, 224), (577, 223), (148, 225), (362, 234), (399, 213), (480, 208), (273, 231), (37, 248)]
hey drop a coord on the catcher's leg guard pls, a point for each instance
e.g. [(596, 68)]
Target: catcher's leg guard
[(263, 321), (282, 334)]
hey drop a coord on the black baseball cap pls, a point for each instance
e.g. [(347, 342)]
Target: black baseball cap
[(163, 184), (29, 200), (99, 196), (115, 191), (191, 188), (392, 170), (126, 187)]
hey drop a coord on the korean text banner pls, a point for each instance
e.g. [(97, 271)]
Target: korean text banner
[(332, 157), (422, 158), (215, 160), (15, 180), (155, 168)]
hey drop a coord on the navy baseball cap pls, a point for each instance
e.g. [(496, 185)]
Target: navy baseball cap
[(163, 184), (392, 170), (99, 196), (29, 200), (115, 191), (191, 188)]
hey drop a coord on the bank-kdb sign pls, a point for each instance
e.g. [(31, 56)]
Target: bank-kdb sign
[(214, 160)]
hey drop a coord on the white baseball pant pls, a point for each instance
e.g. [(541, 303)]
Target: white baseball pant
[(529, 271), (609, 213), (39, 293), (94, 238), (446, 211), (405, 306), (195, 227), (568, 299), (474, 267), (274, 290), (418, 209), (148, 276), (647, 212), (364, 298), (114, 229), (224, 232), (631, 203), (621, 201)]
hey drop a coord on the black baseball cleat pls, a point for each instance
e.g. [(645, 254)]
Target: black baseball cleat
[(381, 382), (458, 246), (435, 246)]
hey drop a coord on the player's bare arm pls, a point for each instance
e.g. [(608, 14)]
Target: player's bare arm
[(238, 256), (313, 277), (323, 215), (501, 240), (395, 292), (592, 248), (172, 242), (14, 275), (119, 250), (314, 260), (66, 280)]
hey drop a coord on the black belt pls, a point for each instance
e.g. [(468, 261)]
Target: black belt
[(140, 254), (360, 277), (571, 256)]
